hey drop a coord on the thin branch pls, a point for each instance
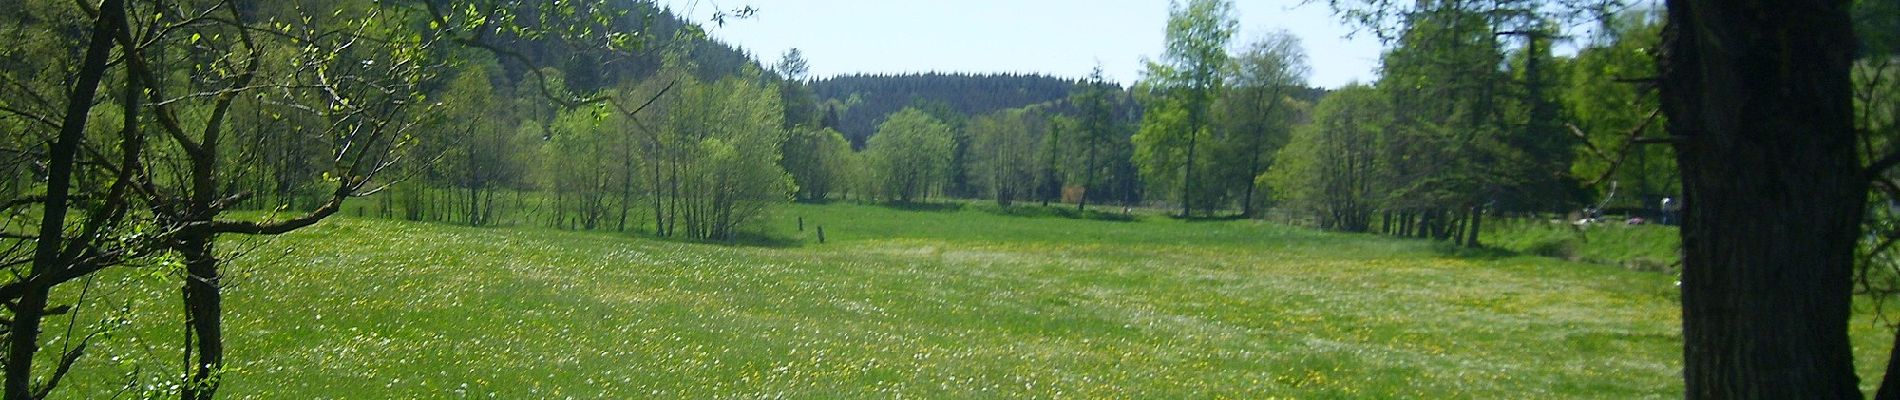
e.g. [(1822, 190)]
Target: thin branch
[(1879, 167), (1631, 139)]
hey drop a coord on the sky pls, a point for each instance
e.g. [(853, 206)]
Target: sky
[(1064, 38)]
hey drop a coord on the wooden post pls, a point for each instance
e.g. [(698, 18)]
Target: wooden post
[(821, 234), (801, 224)]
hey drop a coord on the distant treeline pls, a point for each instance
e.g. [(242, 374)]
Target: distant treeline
[(862, 101)]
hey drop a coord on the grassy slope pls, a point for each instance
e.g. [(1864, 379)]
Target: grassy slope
[(932, 304)]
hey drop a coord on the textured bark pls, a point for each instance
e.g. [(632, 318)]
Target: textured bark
[(1758, 98), (204, 313), (48, 259)]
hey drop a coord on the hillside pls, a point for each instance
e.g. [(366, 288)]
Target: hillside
[(588, 69), (862, 101)]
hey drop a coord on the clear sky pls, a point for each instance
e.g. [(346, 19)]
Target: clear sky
[(1064, 38)]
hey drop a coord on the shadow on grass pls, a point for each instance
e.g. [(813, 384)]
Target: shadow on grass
[(1215, 218), (1055, 212), (923, 206), (1449, 249), (749, 239)]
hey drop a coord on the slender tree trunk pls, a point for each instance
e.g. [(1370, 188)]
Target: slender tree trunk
[(1757, 97), (23, 337), (1477, 223), (1457, 230), (474, 202), (204, 311), (23, 341), (659, 211), (1088, 180), (627, 171), (1187, 177)]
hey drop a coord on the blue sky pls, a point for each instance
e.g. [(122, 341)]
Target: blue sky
[(1057, 37)]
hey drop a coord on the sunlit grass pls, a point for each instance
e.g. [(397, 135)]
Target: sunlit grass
[(960, 303)]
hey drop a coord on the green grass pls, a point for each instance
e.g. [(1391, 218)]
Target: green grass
[(1646, 247), (960, 302)]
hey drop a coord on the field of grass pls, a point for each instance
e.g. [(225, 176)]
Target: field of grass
[(955, 302)]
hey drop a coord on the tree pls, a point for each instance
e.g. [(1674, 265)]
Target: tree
[(1758, 104), (910, 155), (580, 165), (715, 161), (1057, 134), (1257, 115), (1330, 167), (79, 227), (1758, 100), (817, 159), (1097, 129), (801, 104), (1609, 113), (481, 139), (1005, 151), (1182, 87)]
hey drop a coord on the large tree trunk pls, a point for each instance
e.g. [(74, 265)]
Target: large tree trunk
[(1758, 99)]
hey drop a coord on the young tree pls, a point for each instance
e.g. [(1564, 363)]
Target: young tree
[(801, 104), (1256, 110), (1330, 168), (1005, 152), (910, 155), (1097, 130), (733, 175), (481, 137), (817, 159), (580, 165), (715, 160), (1181, 87)]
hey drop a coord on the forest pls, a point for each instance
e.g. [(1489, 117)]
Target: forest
[(147, 135)]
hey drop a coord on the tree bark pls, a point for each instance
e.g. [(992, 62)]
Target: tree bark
[(1477, 222), (1758, 99), (204, 306), (30, 309)]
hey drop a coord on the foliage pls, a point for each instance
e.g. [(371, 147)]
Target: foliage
[(1330, 168), (910, 155), (863, 101), (1611, 112), (1180, 88), (1007, 153), (819, 161), (720, 150), (1255, 115)]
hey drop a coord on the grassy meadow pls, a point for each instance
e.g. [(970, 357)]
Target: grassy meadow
[(941, 302)]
